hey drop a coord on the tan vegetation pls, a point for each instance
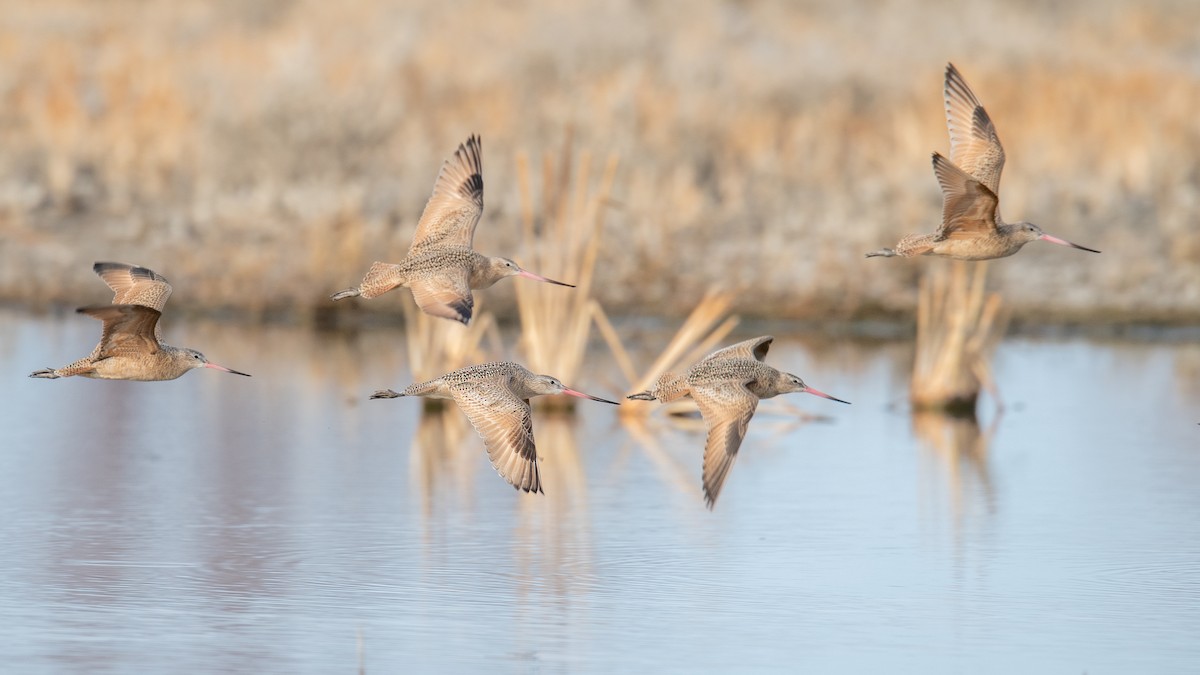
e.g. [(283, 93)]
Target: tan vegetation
[(959, 325), (261, 154), (700, 334), (561, 238), (437, 346)]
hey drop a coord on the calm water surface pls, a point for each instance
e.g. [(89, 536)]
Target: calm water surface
[(286, 524)]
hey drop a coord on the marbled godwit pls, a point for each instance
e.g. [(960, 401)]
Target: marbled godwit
[(972, 228), (727, 386), (495, 397), (441, 268), (131, 346)]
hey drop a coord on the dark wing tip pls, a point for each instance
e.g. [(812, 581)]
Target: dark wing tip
[(473, 185), (464, 309), (763, 346), (101, 267), (97, 310)]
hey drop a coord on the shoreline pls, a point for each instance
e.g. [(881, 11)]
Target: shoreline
[(877, 327)]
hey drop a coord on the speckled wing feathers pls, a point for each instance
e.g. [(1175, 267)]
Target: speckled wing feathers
[(974, 145), (754, 348), (454, 208), (727, 408), (134, 285), (128, 329), (446, 294), (968, 206), (506, 424)]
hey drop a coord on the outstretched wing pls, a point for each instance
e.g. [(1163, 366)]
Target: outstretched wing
[(128, 329), (446, 294), (727, 408), (134, 285), (974, 145), (453, 209), (506, 424), (968, 206), (755, 348)]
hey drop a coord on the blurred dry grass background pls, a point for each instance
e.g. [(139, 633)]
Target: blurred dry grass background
[(262, 154)]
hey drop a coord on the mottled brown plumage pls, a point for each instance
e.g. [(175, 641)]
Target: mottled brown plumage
[(441, 268), (131, 347), (971, 228), (727, 386), (134, 285), (495, 398)]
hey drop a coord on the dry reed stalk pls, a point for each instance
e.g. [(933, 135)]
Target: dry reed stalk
[(114, 112), (437, 346), (958, 327), (562, 240), (705, 327)]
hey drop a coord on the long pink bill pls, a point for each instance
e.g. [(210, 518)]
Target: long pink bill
[(814, 392), (537, 277), (1064, 242), (223, 369), (580, 394)]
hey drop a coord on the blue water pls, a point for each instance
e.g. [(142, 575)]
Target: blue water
[(283, 523)]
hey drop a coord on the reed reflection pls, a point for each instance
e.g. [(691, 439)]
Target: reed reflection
[(548, 537), (959, 449), (436, 346), (1186, 367), (552, 541), (680, 465), (671, 467), (444, 450)]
